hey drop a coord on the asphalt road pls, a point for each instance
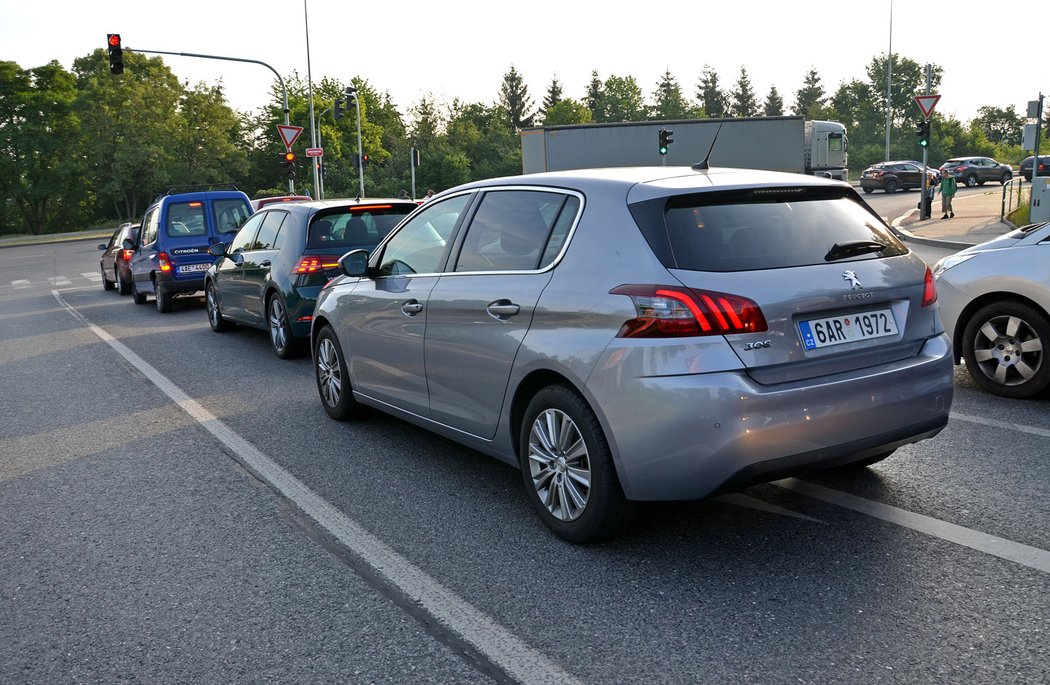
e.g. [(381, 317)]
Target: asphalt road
[(175, 506)]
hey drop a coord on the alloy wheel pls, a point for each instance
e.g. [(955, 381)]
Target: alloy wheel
[(278, 325), (559, 465), (329, 377), (1008, 350)]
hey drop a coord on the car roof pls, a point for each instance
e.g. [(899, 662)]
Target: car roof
[(314, 206), (659, 180)]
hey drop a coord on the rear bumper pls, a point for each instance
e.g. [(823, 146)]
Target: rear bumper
[(180, 284), (691, 436)]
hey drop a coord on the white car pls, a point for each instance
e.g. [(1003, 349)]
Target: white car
[(995, 304)]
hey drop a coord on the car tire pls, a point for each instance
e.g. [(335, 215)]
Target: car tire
[(1004, 344), (333, 379), (971, 181), (868, 191), (163, 299), (218, 322), (106, 283), (136, 296), (285, 345), (567, 468), (1005, 179), (123, 287), (891, 186)]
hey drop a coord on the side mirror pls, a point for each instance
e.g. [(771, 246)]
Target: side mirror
[(217, 249), (103, 246), (128, 244), (354, 263)]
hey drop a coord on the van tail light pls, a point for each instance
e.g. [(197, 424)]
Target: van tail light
[(929, 289), (311, 264), (675, 312), (163, 263)]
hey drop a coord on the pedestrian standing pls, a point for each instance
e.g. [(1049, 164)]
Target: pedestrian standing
[(948, 188)]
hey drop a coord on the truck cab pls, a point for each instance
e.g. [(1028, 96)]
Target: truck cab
[(826, 150)]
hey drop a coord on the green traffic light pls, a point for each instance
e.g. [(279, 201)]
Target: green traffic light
[(663, 150)]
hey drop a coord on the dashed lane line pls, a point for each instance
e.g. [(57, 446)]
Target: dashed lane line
[(502, 648), (1006, 425)]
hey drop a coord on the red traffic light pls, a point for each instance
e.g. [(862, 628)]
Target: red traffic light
[(116, 53), (114, 39)]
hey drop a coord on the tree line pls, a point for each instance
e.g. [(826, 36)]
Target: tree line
[(85, 148)]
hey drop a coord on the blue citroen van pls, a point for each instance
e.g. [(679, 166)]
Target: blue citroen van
[(171, 255)]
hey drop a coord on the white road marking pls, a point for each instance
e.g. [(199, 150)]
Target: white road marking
[(21, 284), (1033, 557), (504, 649), (994, 423), (93, 276), (59, 280), (742, 500)]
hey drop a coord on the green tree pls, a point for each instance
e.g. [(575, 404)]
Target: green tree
[(999, 125), (714, 100), (41, 165), (595, 98), (567, 112), (743, 102), (514, 96), (553, 97), (774, 104), (209, 131), (810, 95), (623, 99), (670, 103)]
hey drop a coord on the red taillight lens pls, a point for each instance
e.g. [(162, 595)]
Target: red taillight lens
[(929, 290), (163, 263), (311, 264), (673, 312), (126, 255)]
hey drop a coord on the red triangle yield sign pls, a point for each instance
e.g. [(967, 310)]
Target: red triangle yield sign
[(289, 134), (927, 103)]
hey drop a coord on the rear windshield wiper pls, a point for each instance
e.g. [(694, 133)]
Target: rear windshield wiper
[(852, 249)]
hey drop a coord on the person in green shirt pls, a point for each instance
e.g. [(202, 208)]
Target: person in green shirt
[(948, 188)]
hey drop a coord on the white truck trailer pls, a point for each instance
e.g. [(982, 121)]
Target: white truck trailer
[(776, 143)]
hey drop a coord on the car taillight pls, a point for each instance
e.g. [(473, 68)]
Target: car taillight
[(311, 264), (929, 290), (163, 263), (673, 312), (126, 255)]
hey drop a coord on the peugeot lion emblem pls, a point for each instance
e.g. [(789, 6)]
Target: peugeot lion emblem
[(851, 276)]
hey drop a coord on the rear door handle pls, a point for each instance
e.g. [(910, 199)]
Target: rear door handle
[(412, 307), (502, 310)]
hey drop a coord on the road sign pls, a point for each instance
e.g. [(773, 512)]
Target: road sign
[(927, 103), (314, 152), (289, 134)]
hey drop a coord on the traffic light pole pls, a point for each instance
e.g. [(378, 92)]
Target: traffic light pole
[(284, 91), (924, 213), (360, 151)]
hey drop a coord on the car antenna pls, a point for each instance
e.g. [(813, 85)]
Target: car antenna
[(702, 165)]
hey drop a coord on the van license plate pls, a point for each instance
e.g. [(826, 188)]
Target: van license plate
[(191, 268), (836, 330)]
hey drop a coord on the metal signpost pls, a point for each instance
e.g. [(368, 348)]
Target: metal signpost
[(926, 104)]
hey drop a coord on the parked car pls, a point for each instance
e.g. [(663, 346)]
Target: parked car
[(171, 254), (636, 334), (1043, 170), (114, 260), (269, 275), (893, 176), (995, 302), (261, 202), (976, 171)]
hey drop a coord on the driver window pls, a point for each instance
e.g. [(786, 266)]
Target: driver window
[(419, 246), (244, 238)]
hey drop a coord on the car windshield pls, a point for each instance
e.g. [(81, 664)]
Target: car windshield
[(746, 230)]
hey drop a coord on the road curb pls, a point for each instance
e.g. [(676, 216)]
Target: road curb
[(55, 238)]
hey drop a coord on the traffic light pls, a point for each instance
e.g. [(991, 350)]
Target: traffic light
[(922, 132), (351, 95), (288, 164), (338, 112), (116, 54), (665, 139), (364, 161)]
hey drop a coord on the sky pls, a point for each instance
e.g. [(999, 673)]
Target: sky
[(463, 48)]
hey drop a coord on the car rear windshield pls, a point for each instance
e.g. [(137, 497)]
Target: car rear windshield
[(762, 228), (358, 226)]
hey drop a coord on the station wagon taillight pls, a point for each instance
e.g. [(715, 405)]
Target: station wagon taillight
[(673, 312), (311, 264)]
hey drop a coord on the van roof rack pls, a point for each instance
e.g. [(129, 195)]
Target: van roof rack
[(200, 187)]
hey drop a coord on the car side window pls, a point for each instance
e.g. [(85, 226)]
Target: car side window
[(269, 231), (151, 224), (419, 246), (246, 236), (230, 215), (510, 231)]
